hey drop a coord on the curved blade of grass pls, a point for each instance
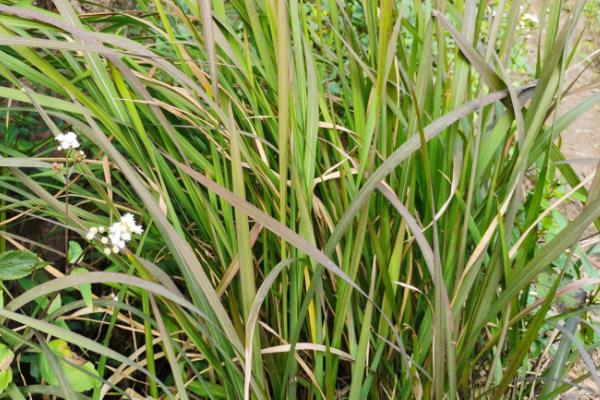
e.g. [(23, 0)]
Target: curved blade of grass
[(563, 240), (268, 222), (166, 341), (181, 250), (23, 163), (132, 47), (260, 296), (557, 367), (69, 281), (81, 341), (282, 231), (405, 151), (585, 355), (490, 76), (63, 383), (522, 348), (209, 41)]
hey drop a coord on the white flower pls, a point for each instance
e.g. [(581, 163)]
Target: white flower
[(129, 220), (67, 141), (121, 232), (116, 232), (91, 233), (114, 297), (117, 235)]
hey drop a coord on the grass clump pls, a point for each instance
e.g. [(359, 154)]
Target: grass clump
[(336, 200)]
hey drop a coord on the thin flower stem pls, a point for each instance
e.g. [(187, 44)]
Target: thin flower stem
[(68, 177)]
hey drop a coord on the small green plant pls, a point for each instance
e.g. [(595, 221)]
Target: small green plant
[(592, 11), (79, 373)]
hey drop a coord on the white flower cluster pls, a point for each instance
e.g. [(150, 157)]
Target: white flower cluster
[(117, 235), (68, 141)]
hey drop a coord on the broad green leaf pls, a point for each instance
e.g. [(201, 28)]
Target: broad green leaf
[(55, 304), (6, 359), (17, 264), (86, 289), (79, 380), (5, 379), (74, 252)]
